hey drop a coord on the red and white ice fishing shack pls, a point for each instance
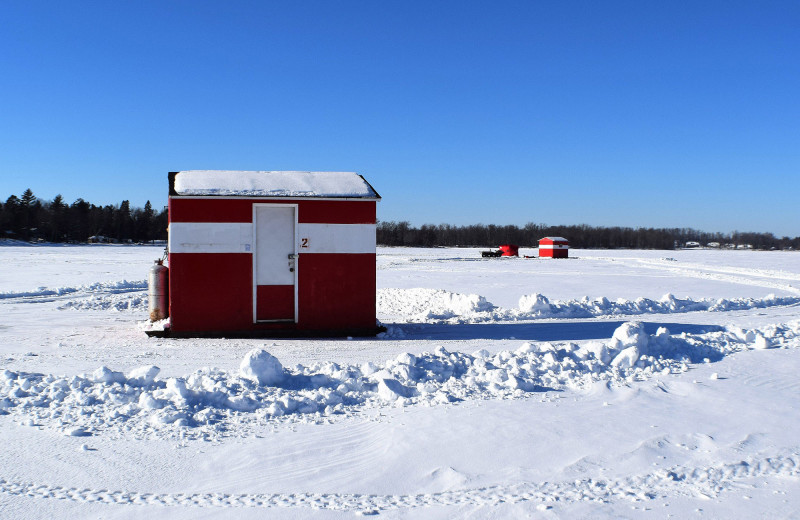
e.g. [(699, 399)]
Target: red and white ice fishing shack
[(553, 247), (271, 253)]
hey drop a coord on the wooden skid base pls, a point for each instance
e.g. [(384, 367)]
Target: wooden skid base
[(271, 333)]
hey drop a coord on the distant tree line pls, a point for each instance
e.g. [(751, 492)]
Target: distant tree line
[(29, 218), (580, 236)]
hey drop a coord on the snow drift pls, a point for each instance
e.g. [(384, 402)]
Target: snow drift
[(211, 403), (436, 305), (430, 304), (122, 295), (421, 305)]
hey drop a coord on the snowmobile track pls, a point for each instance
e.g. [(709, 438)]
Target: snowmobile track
[(705, 482)]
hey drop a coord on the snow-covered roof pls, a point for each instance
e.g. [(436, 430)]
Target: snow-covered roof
[(554, 239), (271, 184)]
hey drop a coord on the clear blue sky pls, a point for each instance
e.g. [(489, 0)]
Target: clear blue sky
[(637, 113)]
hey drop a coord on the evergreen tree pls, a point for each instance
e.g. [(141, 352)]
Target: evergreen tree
[(144, 223), (123, 222), (11, 217), (160, 225), (30, 207), (57, 222), (80, 229)]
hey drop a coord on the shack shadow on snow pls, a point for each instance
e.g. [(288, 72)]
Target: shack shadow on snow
[(571, 331)]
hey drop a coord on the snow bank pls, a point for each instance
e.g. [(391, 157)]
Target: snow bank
[(419, 305), (119, 287), (263, 367), (534, 303), (211, 403), (121, 302), (431, 305), (121, 295)]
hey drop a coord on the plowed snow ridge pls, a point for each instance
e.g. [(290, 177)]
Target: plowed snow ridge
[(122, 295), (212, 403), (436, 305), (421, 305)]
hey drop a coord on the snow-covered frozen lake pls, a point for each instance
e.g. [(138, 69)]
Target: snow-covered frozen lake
[(614, 384)]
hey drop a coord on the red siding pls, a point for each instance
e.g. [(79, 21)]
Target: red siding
[(554, 253), (214, 292), (241, 210), (210, 210), (275, 302), (210, 291), (336, 291), (336, 212)]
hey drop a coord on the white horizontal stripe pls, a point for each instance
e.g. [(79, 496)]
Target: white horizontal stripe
[(237, 237), (210, 237), (336, 238), (552, 246)]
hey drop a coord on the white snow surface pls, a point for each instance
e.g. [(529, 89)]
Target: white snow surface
[(272, 184), (615, 384)]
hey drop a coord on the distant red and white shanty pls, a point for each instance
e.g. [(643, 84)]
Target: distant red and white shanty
[(553, 247), (271, 253)]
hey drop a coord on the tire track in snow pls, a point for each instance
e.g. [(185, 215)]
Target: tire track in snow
[(738, 275), (122, 286), (699, 482), (44, 294)]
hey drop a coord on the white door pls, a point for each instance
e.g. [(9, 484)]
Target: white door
[(275, 263)]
